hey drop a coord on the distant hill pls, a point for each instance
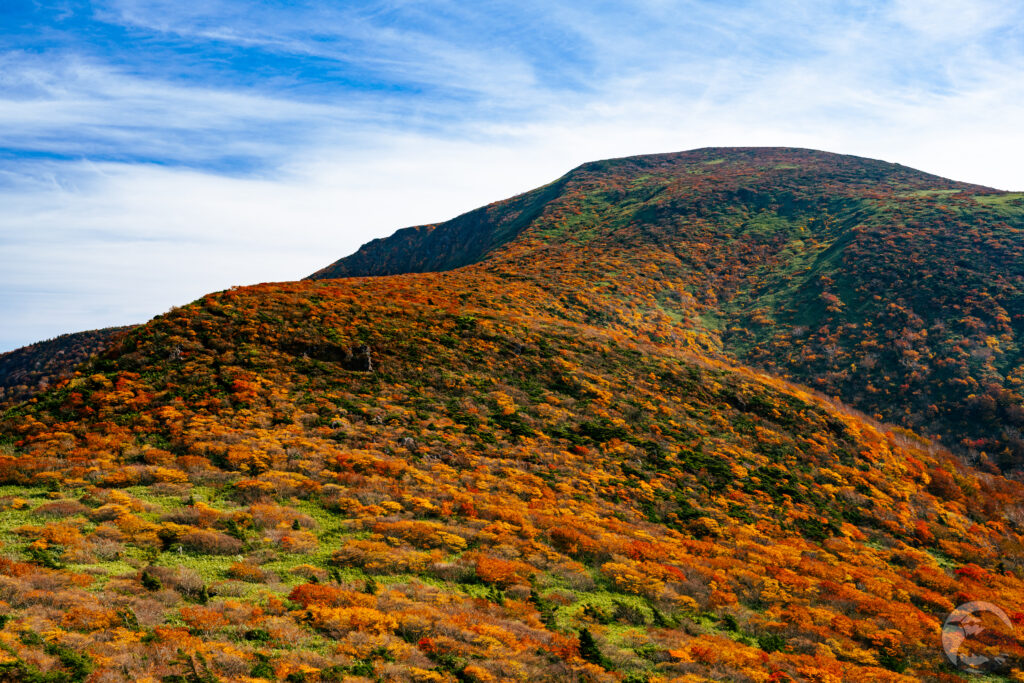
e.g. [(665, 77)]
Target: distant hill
[(900, 292), (30, 369)]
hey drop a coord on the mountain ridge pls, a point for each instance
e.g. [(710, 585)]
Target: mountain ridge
[(545, 465), (28, 369), (760, 242), (361, 263)]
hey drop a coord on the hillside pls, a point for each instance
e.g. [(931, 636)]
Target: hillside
[(30, 369), (539, 466), (900, 292)]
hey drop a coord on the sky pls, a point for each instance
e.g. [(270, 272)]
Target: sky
[(152, 151)]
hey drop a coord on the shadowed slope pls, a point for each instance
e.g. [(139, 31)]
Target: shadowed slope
[(458, 242), (30, 369)]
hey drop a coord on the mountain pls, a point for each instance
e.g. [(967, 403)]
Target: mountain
[(899, 292), (639, 190), (540, 465), (30, 369)]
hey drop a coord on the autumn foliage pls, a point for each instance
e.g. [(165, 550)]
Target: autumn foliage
[(533, 468)]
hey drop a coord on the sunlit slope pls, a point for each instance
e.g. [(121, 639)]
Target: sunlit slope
[(463, 477), (898, 291)]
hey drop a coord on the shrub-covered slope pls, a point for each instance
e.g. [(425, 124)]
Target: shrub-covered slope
[(457, 477), (543, 465), (898, 291), (32, 368)]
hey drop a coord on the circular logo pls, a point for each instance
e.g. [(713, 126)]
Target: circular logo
[(966, 623)]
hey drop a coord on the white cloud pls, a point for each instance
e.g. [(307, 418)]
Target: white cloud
[(355, 35), (75, 106), (116, 244), (952, 19)]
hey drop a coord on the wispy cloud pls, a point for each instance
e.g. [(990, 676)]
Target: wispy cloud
[(152, 150), (950, 20)]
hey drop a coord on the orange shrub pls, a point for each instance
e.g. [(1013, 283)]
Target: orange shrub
[(340, 620), (572, 541), (294, 541), (329, 596), (421, 534), (269, 515), (89, 618), (202, 619), (245, 571), (502, 573), (634, 577), (380, 558)]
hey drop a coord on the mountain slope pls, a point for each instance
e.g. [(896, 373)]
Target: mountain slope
[(709, 178), (502, 481), (27, 370), (898, 291), (458, 242), (539, 466)]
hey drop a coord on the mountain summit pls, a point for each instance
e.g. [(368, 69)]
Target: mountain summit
[(898, 291), (547, 462), (721, 176)]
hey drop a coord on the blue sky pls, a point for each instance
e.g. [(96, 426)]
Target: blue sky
[(155, 150)]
